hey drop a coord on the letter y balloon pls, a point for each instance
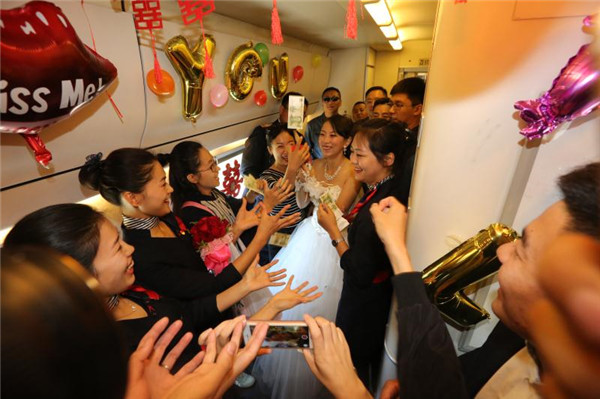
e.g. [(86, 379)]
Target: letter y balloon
[(47, 72)]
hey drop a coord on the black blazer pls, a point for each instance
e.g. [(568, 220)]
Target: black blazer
[(172, 267), (364, 304)]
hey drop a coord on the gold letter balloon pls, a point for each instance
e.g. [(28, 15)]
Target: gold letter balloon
[(278, 76), (189, 64), (243, 67), (470, 262)]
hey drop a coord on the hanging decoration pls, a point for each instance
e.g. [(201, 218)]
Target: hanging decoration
[(196, 10), (232, 180), (571, 96), (263, 52), (260, 98), (218, 95), (298, 73), (190, 65), (276, 35), (244, 65), (316, 60), (113, 103), (351, 21), (472, 261), (48, 73), (147, 16), (278, 76)]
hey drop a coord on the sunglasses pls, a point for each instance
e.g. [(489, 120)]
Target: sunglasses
[(327, 99)]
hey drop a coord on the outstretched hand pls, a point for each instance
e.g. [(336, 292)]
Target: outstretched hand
[(269, 224), (257, 276), (330, 360), (149, 377), (289, 297), (275, 195), (246, 218)]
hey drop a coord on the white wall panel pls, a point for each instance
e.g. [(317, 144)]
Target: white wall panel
[(470, 153)]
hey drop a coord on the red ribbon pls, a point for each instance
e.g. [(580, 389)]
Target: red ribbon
[(350, 217), (151, 294), (117, 110)]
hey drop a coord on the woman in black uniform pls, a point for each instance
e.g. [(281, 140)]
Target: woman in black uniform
[(378, 156)]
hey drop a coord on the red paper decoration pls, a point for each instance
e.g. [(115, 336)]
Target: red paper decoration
[(147, 14), (195, 10), (232, 181)]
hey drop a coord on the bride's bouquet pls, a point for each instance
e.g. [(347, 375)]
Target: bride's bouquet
[(212, 237)]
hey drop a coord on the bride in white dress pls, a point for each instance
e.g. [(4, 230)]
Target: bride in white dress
[(310, 256)]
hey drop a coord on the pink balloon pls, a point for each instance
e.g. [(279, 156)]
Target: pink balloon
[(260, 98), (298, 73), (571, 96), (219, 95)]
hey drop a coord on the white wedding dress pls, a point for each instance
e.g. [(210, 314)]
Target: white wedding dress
[(309, 256)]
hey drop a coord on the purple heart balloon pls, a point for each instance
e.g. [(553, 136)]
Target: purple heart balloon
[(572, 95)]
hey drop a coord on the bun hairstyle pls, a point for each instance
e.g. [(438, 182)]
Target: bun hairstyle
[(125, 169), (341, 125), (386, 137), (58, 339), (184, 159), (272, 134), (71, 229)]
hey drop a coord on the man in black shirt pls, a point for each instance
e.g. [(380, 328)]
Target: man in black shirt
[(407, 107), (332, 101)]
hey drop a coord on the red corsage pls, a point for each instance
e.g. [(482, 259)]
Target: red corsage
[(211, 239)]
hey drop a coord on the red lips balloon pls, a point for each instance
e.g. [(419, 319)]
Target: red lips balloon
[(47, 73)]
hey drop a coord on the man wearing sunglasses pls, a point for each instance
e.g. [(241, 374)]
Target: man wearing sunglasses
[(332, 100)]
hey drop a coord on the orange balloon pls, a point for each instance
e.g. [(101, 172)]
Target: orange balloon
[(164, 89)]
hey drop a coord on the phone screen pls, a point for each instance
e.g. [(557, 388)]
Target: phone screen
[(286, 336)]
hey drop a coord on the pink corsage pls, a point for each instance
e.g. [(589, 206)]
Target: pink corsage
[(216, 254)]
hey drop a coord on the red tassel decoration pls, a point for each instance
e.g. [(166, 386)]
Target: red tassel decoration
[(157, 70), (276, 36), (351, 21), (209, 71)]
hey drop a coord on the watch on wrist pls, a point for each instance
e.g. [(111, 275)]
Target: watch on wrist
[(335, 243)]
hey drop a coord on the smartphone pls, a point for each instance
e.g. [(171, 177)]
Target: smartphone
[(282, 334)]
